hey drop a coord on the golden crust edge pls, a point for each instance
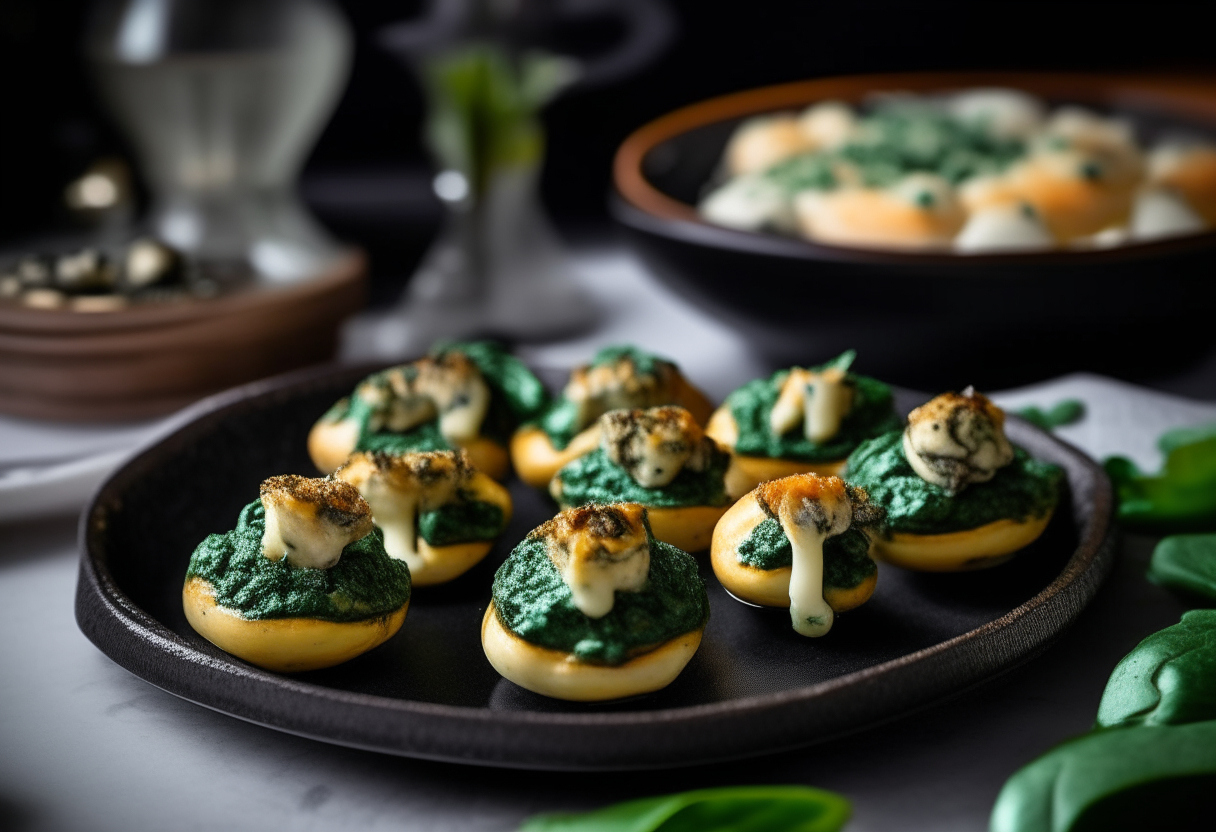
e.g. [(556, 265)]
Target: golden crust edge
[(690, 528), (746, 472), (535, 459), (559, 675), (980, 548), (309, 643)]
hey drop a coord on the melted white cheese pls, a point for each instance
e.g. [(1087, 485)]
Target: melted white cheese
[(1007, 227), (827, 400), (936, 456), (462, 402), (1159, 213), (750, 203), (594, 567), (1086, 128), (653, 446), (828, 124), (395, 511), (1001, 112), (593, 583), (295, 530), (819, 401), (405, 412), (810, 614), (787, 411)]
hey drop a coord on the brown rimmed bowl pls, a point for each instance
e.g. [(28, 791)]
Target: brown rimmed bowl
[(754, 686), (150, 359), (931, 320)]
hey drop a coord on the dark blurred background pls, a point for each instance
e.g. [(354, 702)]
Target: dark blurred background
[(368, 177)]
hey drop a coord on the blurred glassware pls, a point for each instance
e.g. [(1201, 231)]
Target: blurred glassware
[(103, 197), (488, 67), (223, 99)]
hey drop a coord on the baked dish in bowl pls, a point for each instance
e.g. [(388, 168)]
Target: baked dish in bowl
[(902, 225)]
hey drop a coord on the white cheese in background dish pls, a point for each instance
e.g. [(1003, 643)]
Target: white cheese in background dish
[(1008, 227)]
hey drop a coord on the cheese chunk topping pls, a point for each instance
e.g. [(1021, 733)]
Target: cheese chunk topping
[(598, 550), (1008, 226), (656, 444), (398, 487), (597, 389), (820, 400), (310, 521), (828, 124), (1001, 112), (1162, 212), (449, 386), (750, 203), (811, 509), (955, 440)]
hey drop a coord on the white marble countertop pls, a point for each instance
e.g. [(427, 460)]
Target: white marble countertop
[(86, 745)]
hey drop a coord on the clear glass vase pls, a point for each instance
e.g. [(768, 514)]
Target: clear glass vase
[(222, 100), (498, 266)]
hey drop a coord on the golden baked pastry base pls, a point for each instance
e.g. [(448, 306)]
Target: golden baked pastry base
[(560, 676), (746, 472), (689, 527), (978, 548), (535, 459), (284, 645), (441, 564), (330, 443)]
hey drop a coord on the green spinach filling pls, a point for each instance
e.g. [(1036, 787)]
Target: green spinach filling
[(873, 413), (560, 421), (594, 478), (365, 583), (424, 437), (846, 557), (1025, 488), (899, 139), (516, 396), (534, 603), (461, 522)]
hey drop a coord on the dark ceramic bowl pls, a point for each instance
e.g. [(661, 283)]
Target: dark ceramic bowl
[(931, 320)]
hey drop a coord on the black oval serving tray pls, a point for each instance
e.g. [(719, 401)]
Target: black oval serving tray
[(754, 687)]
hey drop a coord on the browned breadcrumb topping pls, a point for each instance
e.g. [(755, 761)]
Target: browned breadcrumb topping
[(623, 377), (611, 520), (800, 486), (326, 493), (668, 417), (942, 407), (420, 467), (816, 487)]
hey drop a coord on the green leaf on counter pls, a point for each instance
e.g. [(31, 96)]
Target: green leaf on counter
[(1169, 679), (1066, 412), (1182, 496), (1145, 777), (733, 809), (1186, 563)]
